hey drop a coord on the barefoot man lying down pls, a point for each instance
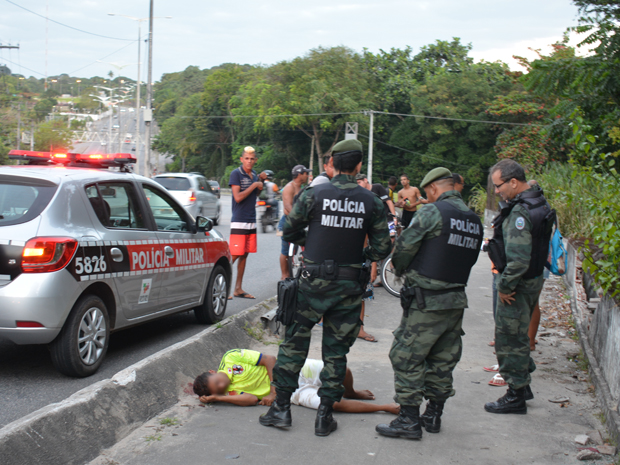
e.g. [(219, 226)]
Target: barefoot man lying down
[(244, 378)]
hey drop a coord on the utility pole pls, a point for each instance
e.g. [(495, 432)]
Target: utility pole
[(148, 114), (137, 138), (311, 156), (370, 144), (19, 127), (32, 136), (47, 15)]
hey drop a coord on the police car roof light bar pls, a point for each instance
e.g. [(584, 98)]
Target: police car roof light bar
[(76, 159)]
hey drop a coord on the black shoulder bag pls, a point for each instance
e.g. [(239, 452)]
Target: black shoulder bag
[(287, 300)]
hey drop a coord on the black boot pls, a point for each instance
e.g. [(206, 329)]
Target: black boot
[(325, 423), (512, 402), (407, 425), (529, 395), (279, 414), (431, 418)]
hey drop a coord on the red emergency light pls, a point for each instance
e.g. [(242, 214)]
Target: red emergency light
[(94, 160)]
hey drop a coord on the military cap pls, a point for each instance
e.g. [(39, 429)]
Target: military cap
[(434, 175), (360, 176), (349, 145)]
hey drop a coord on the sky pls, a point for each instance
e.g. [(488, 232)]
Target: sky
[(206, 33)]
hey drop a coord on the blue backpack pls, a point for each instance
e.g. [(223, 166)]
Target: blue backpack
[(557, 252)]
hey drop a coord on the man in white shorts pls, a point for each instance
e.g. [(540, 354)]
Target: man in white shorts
[(244, 378)]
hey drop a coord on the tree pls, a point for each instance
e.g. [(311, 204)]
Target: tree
[(52, 136)]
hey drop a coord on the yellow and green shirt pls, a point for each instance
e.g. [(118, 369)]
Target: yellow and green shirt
[(246, 376)]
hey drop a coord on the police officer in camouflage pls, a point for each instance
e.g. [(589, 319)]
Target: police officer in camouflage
[(435, 254), (519, 250), (339, 215)]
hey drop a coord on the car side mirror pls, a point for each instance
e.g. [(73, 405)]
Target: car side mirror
[(204, 224)]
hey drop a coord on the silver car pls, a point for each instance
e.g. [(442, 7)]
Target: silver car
[(84, 252), (193, 191)]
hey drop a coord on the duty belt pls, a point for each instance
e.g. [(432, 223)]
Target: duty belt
[(408, 293), (330, 272)]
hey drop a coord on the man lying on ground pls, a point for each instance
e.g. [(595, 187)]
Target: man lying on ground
[(244, 378)]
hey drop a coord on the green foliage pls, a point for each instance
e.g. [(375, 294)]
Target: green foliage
[(52, 136), (478, 199)]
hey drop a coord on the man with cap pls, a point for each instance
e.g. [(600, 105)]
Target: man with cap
[(435, 255), (339, 215), (290, 191)]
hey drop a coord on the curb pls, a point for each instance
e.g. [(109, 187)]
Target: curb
[(80, 427), (603, 394)]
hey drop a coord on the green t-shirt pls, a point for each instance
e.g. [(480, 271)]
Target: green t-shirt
[(246, 377)]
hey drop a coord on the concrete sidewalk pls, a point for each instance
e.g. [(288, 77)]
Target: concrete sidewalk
[(189, 433)]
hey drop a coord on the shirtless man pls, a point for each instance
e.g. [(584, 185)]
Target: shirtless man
[(409, 198), (300, 177)]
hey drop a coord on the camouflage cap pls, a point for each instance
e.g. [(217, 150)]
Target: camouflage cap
[(349, 145), (434, 175)]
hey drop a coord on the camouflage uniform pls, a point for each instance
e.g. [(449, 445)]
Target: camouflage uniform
[(337, 302), (427, 344), (512, 344)]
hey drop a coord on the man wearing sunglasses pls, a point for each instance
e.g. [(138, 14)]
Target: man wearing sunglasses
[(518, 250)]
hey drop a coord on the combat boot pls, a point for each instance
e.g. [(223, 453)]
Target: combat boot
[(325, 423), (279, 414), (431, 418), (512, 402), (407, 425), (529, 395)]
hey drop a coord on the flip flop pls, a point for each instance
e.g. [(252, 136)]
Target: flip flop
[(377, 285), (491, 369), (368, 338), (492, 343), (498, 381), (245, 295)]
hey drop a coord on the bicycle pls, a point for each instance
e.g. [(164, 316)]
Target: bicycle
[(391, 282)]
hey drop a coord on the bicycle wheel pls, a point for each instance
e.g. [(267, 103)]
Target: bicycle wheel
[(391, 282), (294, 260)]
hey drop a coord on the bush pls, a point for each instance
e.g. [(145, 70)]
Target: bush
[(478, 199)]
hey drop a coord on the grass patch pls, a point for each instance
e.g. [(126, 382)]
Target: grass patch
[(153, 438), (258, 333), (168, 421)]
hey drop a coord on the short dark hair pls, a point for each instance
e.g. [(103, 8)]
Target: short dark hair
[(326, 159), (458, 179), (392, 181), (404, 176), (345, 162), (509, 169), (201, 385)]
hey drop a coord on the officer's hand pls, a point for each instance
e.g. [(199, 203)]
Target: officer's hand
[(507, 299), (268, 400)]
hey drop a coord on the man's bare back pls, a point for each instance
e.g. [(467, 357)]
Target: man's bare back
[(288, 195)]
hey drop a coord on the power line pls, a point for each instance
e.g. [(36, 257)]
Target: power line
[(455, 119), (22, 66), (272, 116), (65, 25), (417, 153), (110, 54)]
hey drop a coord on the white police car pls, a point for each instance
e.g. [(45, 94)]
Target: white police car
[(85, 251)]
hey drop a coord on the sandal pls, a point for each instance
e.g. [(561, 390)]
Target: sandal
[(491, 369), (498, 381)]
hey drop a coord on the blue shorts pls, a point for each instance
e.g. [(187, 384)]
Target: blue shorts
[(285, 245)]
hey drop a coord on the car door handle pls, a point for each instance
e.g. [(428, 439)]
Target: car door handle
[(169, 251), (117, 254)]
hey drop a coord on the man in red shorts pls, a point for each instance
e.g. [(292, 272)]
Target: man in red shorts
[(245, 185)]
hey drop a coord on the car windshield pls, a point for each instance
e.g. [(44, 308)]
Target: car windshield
[(173, 183), (23, 199), (213, 183)]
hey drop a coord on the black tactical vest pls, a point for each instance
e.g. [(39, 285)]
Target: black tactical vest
[(341, 220), (450, 256), (542, 218)]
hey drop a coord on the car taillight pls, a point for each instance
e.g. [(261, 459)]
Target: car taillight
[(46, 254), (192, 196), (261, 203)]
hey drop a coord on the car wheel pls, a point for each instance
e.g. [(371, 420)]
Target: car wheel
[(81, 346), (213, 308)]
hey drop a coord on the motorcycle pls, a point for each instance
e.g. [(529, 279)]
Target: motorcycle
[(268, 214)]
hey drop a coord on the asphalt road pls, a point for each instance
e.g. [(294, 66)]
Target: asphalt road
[(28, 381)]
